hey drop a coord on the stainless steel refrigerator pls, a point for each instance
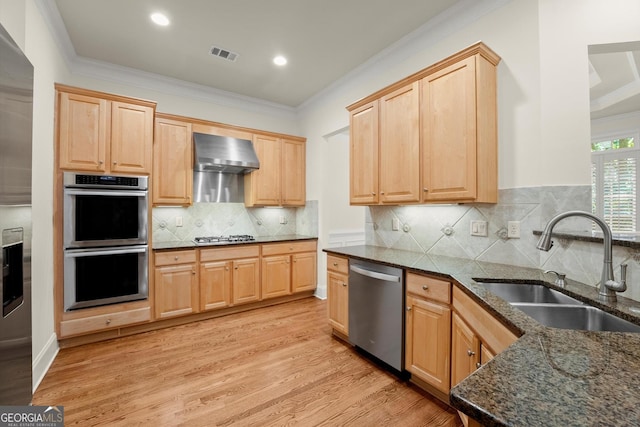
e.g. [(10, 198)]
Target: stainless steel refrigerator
[(16, 118)]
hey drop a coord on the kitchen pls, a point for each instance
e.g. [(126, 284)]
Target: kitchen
[(542, 96)]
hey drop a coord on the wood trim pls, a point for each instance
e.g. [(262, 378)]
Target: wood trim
[(478, 48), (104, 95)]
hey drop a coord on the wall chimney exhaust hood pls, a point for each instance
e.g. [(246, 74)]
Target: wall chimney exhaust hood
[(214, 153)]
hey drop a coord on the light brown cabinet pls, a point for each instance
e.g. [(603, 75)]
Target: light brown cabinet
[(476, 336), (172, 162), (432, 136), (338, 294), (176, 284), (288, 268), (99, 132), (280, 181), (385, 149), (459, 132), (428, 330), (229, 276)]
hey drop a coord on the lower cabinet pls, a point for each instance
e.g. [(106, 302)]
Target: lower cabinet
[(229, 276), (428, 330), (338, 294), (176, 284), (288, 268)]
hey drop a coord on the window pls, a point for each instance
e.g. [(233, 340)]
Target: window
[(614, 181)]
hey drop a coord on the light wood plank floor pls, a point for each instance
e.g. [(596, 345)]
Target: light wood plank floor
[(268, 367)]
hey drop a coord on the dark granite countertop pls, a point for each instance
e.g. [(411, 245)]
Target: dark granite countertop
[(548, 377), (179, 244)]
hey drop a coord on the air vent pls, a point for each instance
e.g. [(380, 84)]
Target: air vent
[(223, 53)]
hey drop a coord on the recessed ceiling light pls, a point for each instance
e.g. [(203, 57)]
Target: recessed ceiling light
[(280, 60), (160, 19)]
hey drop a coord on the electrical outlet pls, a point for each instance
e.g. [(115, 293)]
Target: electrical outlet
[(479, 228), (283, 219), (178, 221), (513, 229), (395, 224)]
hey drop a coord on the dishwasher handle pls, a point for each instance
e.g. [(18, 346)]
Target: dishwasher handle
[(375, 274)]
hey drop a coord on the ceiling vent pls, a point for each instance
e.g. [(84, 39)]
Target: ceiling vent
[(223, 53)]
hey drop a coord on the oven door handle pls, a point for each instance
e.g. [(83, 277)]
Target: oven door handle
[(73, 253), (82, 192)]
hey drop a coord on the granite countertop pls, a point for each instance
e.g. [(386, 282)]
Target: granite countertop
[(180, 244), (548, 376)]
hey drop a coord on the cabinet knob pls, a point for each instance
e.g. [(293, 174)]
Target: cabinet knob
[(408, 308), (344, 283), (175, 258), (100, 162), (478, 365), (115, 163), (108, 321), (373, 194), (382, 192), (471, 353), (425, 287), (226, 268), (235, 268), (335, 264), (425, 189), (193, 272)]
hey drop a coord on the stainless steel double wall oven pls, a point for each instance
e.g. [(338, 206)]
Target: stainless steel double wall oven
[(106, 248)]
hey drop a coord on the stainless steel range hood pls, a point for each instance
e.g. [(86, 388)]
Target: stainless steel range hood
[(214, 153)]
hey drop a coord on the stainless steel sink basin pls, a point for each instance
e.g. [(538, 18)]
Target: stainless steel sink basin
[(528, 292), (583, 317)]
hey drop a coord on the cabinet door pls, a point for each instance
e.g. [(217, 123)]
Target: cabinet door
[(215, 285), (276, 276), (293, 173), (400, 146), (246, 281), (176, 290), (131, 137), (83, 132), (428, 342), (465, 348), (449, 133), (303, 272), (172, 163), (363, 155), (338, 301), (265, 183)]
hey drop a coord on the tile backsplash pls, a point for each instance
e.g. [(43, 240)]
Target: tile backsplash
[(445, 230), (216, 219)]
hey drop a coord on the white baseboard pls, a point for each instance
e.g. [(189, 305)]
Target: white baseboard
[(43, 360)]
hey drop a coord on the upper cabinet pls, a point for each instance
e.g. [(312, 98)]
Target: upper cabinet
[(431, 137), (99, 132), (172, 162), (280, 181)]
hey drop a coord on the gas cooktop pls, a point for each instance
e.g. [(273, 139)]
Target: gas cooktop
[(224, 240)]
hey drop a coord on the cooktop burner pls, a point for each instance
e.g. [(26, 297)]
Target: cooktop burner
[(233, 238)]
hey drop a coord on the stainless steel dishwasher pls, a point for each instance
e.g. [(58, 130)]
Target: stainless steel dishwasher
[(376, 312)]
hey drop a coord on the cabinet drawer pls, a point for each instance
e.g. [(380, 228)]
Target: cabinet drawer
[(338, 264), (428, 287), (229, 252), (175, 257), (104, 321), (288, 248)]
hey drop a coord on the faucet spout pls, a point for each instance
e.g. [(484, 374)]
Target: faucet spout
[(544, 243)]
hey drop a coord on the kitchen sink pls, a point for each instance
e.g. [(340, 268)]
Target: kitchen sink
[(583, 317), (528, 292)]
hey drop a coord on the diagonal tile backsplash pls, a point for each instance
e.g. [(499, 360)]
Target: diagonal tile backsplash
[(445, 230)]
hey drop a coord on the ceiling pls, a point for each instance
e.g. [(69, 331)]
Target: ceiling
[(323, 40), (614, 79)]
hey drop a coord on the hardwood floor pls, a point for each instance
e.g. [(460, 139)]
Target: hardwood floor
[(272, 366)]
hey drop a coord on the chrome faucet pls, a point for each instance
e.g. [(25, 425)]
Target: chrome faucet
[(608, 286)]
